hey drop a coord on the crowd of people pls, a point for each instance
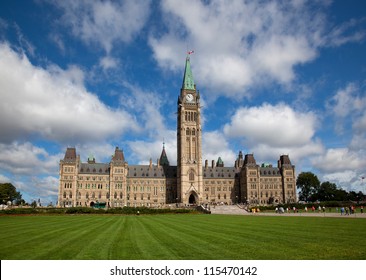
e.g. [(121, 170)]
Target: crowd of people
[(349, 210)]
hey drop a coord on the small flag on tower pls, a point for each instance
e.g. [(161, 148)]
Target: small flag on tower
[(190, 52)]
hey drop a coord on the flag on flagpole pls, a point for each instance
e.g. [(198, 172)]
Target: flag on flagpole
[(190, 52)]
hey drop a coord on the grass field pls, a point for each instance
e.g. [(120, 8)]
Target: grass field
[(181, 237)]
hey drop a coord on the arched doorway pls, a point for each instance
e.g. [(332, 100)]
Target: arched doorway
[(193, 198)]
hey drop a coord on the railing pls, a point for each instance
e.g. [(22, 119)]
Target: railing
[(202, 209)]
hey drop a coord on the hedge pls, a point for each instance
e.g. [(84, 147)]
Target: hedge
[(88, 210)]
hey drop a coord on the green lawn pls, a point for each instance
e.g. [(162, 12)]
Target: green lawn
[(181, 237)]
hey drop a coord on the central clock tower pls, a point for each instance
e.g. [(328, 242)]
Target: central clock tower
[(189, 142)]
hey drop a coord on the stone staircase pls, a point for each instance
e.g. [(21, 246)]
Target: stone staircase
[(228, 210)]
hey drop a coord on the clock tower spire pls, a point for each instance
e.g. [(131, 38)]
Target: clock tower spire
[(189, 141)]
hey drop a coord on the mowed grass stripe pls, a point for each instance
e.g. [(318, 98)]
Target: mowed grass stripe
[(52, 237), (178, 237), (99, 243), (181, 237)]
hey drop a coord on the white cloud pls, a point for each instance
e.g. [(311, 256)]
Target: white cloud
[(340, 159), (238, 43), (104, 22), (347, 32), (52, 103), (341, 177), (276, 126), (108, 62), (348, 107), (34, 188), (143, 151), (57, 40), (27, 159), (4, 179), (242, 44), (269, 131), (343, 102), (147, 105), (215, 145)]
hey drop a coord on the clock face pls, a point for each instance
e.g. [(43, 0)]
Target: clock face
[(189, 97)]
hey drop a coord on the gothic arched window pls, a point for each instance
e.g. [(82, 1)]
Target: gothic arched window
[(191, 175)]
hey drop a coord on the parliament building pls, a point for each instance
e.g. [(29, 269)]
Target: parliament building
[(118, 184)]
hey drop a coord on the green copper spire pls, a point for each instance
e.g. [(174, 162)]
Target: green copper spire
[(188, 82), (164, 158)]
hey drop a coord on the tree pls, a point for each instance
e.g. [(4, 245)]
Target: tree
[(9, 193), (326, 192), (352, 195), (309, 184), (341, 195)]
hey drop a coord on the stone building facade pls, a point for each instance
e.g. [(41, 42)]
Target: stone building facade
[(118, 184)]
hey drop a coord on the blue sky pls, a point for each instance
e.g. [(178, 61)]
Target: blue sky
[(275, 77)]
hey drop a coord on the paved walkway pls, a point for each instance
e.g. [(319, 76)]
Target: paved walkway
[(235, 210)]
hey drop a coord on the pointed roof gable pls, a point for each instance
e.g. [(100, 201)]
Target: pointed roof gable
[(250, 160), (188, 82), (70, 155), (118, 156), (163, 161)]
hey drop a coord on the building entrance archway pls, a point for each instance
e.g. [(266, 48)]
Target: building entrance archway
[(193, 198)]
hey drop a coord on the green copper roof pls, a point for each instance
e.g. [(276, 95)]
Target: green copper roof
[(188, 82), (164, 158), (219, 162)]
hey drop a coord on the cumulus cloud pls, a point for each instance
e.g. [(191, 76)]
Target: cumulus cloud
[(34, 188), (27, 159), (348, 108), (278, 125), (143, 151), (343, 166), (273, 130), (340, 159), (215, 145), (241, 44), (104, 22), (346, 103), (52, 103)]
